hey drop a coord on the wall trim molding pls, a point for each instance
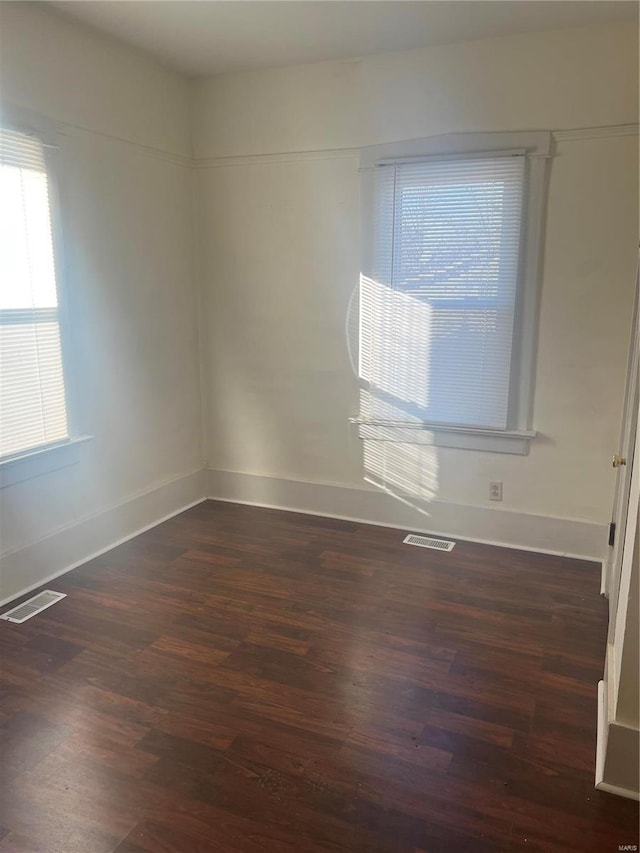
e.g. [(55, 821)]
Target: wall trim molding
[(570, 135), (29, 566), (69, 129), (46, 125), (281, 157), (601, 132), (302, 156), (507, 528)]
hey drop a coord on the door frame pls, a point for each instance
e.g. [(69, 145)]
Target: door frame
[(626, 448)]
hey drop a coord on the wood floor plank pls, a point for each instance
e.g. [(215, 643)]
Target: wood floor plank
[(246, 680)]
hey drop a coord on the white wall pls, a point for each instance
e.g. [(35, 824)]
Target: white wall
[(126, 201), (278, 204), (553, 80), (279, 257), (80, 76)]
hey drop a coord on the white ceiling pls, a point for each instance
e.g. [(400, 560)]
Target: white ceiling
[(214, 36)]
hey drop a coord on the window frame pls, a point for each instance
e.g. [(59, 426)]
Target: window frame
[(537, 149), (51, 456)]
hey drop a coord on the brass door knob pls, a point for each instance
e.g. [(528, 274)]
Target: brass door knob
[(617, 461)]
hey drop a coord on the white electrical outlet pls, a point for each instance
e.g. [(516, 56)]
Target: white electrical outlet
[(495, 490)]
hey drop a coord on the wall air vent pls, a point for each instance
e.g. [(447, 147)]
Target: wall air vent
[(428, 542), (34, 605)]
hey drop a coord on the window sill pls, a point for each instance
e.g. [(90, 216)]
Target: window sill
[(41, 460), (515, 442)]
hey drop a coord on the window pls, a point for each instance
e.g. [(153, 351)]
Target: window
[(33, 400), (448, 290)]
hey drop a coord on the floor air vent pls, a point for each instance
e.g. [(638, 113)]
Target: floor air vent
[(34, 605), (428, 542)]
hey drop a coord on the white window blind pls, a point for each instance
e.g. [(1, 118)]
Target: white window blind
[(32, 391), (439, 291)]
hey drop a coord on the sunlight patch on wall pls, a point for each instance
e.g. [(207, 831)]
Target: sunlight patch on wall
[(394, 340), (408, 472)]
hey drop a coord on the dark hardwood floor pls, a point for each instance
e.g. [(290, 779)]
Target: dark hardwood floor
[(243, 680)]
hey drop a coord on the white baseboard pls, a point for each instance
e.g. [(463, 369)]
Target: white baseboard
[(601, 732), (39, 562), (618, 791), (603, 579), (617, 750), (525, 531)]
